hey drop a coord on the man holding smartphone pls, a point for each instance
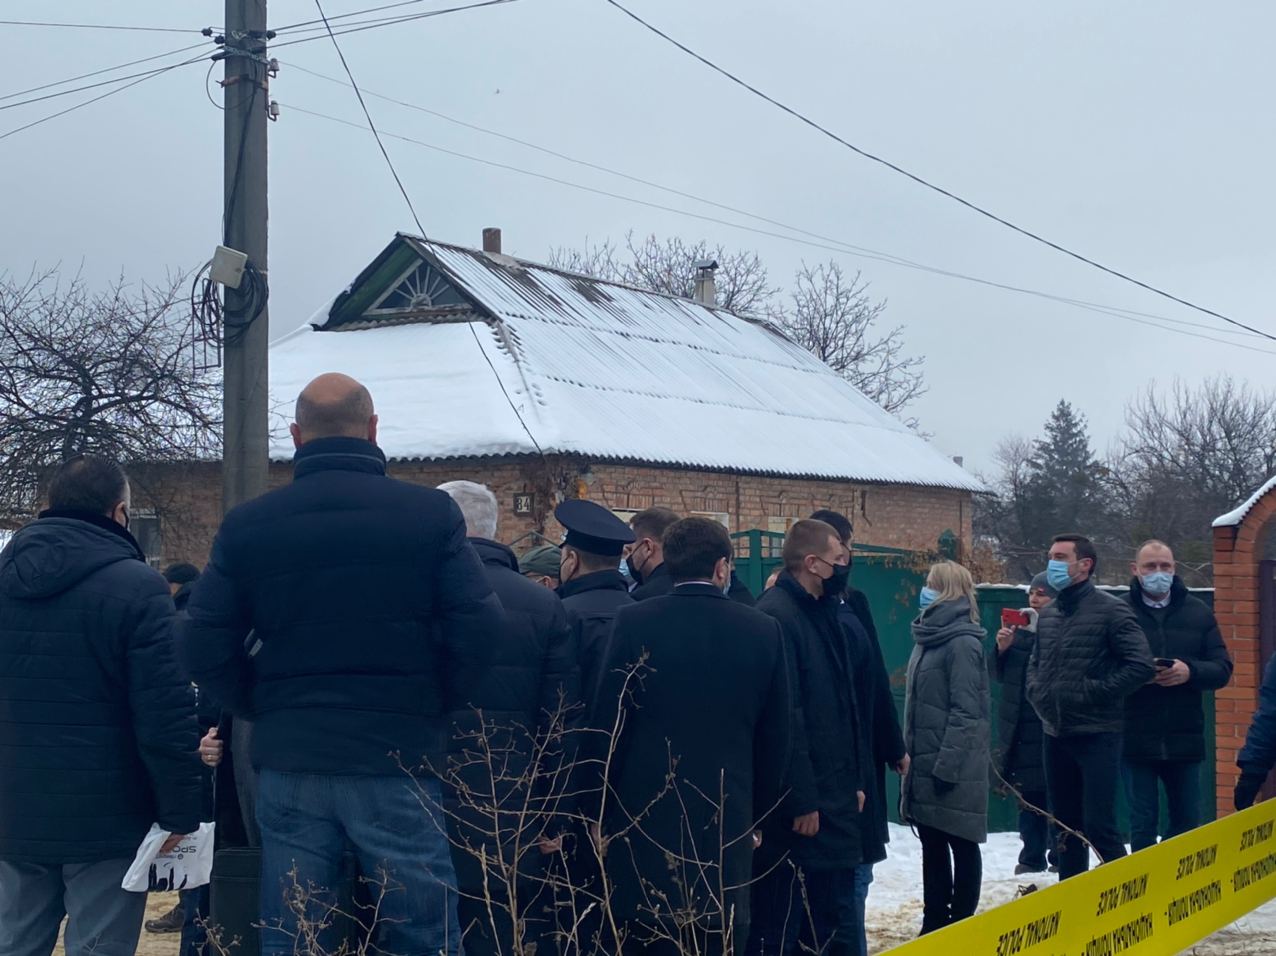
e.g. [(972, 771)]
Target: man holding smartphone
[(1164, 722)]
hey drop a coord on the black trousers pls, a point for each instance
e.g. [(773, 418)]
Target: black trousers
[(952, 872), (1083, 774)]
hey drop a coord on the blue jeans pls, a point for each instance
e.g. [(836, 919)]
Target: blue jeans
[(863, 880), (396, 828), (1182, 782), (1039, 836), (195, 915)]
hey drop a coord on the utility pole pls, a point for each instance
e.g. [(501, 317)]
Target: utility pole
[(245, 363)]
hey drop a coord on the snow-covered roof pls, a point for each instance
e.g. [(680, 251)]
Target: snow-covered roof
[(1235, 517), (594, 368)]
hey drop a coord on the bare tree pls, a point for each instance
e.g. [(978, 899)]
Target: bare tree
[(111, 372), (669, 266), (1188, 455), (1005, 516), (833, 317)]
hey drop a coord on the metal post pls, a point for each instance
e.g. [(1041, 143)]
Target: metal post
[(245, 431)]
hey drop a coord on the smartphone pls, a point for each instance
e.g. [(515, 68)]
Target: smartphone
[(1011, 617), (1166, 662)]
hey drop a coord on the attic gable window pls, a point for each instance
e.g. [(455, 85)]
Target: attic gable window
[(421, 288)]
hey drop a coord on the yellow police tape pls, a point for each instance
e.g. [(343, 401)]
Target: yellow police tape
[(1161, 900)]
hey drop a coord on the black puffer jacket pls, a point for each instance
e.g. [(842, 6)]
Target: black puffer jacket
[(946, 725), (1019, 757), (1089, 657), (1167, 723), (97, 724), (530, 675), (829, 763), (364, 596)]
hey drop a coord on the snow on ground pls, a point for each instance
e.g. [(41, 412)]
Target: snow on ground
[(895, 900)]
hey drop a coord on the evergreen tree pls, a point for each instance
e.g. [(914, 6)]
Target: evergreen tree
[(1064, 489)]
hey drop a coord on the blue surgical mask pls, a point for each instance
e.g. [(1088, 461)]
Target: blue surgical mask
[(1057, 575), (1157, 584), (927, 597)]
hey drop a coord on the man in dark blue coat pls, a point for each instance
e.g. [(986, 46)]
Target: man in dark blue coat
[(358, 596), (696, 688), (97, 724), (507, 782)]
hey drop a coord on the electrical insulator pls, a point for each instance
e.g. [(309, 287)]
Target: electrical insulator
[(274, 110)]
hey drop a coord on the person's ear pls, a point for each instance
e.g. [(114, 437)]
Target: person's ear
[(372, 429), (295, 430)]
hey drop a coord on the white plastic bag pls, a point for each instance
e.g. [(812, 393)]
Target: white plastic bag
[(186, 866)]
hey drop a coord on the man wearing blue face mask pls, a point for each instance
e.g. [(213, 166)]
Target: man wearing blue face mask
[(1164, 723), (1090, 655)]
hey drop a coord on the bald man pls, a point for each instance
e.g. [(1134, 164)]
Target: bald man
[(331, 615)]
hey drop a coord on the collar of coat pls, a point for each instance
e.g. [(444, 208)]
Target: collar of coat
[(1070, 597), (338, 454), (828, 603), (698, 589), (609, 580), (493, 552), (101, 521)]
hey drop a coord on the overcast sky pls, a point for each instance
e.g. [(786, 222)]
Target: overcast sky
[(1140, 134)]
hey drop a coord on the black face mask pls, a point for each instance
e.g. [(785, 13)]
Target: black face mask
[(837, 582), (633, 569)]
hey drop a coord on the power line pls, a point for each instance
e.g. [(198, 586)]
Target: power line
[(349, 28), (346, 16), (929, 185), (835, 246), (108, 69), (90, 102), (368, 116), (862, 250), (89, 86), (97, 26)]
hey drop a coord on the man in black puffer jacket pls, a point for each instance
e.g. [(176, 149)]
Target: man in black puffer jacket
[(518, 703), (1164, 722), (359, 597), (97, 724), (819, 821), (1090, 655)]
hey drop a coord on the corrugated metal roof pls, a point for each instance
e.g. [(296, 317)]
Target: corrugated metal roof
[(608, 371)]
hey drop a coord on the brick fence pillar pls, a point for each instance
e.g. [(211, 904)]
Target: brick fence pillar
[(1238, 549)]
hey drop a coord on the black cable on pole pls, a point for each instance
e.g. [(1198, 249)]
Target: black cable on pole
[(353, 28), (347, 16), (371, 125), (1113, 311), (108, 69), (97, 26), (929, 185), (90, 102), (89, 86)]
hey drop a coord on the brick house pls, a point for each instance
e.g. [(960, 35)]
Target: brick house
[(545, 384)]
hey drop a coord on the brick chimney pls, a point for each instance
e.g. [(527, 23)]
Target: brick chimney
[(492, 240)]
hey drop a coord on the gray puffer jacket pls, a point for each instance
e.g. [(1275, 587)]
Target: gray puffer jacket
[(946, 724), (1089, 657)]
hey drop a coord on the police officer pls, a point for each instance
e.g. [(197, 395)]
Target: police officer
[(592, 587)]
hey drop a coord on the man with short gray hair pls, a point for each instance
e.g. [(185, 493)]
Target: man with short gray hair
[(523, 695), (1164, 720)]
